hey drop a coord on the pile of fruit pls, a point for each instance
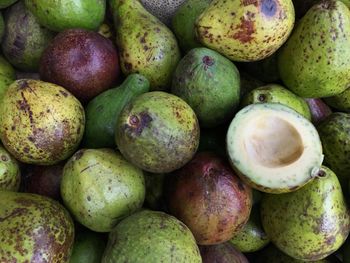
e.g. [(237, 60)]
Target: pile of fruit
[(182, 131)]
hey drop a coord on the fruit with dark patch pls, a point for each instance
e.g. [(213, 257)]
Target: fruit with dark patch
[(341, 101), (335, 136), (82, 61), (274, 93), (209, 83), (7, 76), (316, 222), (24, 39), (252, 237), (150, 236), (44, 180), (103, 111), (145, 44), (184, 20), (34, 229), (6, 3), (64, 14), (10, 174), (318, 109), (210, 199), (315, 61), (246, 30), (40, 122), (157, 131), (99, 187), (222, 253)]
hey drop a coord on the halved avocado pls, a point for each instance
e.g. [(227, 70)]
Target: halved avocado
[(273, 148)]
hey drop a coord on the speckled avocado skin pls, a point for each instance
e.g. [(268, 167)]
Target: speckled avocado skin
[(315, 61), (245, 30), (34, 229), (274, 93), (311, 223), (10, 174), (24, 39), (40, 122), (150, 236), (99, 187), (158, 132), (335, 137), (341, 101)]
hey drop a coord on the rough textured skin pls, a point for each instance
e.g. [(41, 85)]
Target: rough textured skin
[(59, 15), (318, 109), (34, 229), (335, 136), (252, 237), (246, 30), (146, 45), (102, 112), (150, 236), (315, 61), (222, 253), (82, 61), (6, 3), (209, 83), (24, 39), (340, 102), (158, 132), (10, 174), (40, 122), (7, 76), (184, 20), (274, 93), (164, 10), (99, 187), (311, 223), (210, 199), (44, 180)]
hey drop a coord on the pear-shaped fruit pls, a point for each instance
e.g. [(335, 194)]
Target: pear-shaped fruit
[(34, 229), (146, 45), (274, 93), (10, 174), (273, 148), (311, 223), (315, 61), (246, 30)]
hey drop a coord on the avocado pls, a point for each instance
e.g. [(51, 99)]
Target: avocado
[(7, 76), (10, 174), (103, 111), (341, 101)]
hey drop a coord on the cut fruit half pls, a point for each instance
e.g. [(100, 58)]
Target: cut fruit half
[(273, 148)]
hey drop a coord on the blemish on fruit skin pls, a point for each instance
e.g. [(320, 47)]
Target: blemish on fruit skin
[(245, 30), (268, 7)]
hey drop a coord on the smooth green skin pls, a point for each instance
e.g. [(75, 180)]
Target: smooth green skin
[(335, 137), (88, 247), (308, 224), (154, 190), (34, 228), (103, 111), (150, 236), (158, 132), (252, 237), (40, 122), (24, 39), (59, 15), (6, 3), (315, 61), (99, 187), (146, 45), (209, 83), (274, 93), (7, 76), (10, 174), (341, 101), (183, 23)]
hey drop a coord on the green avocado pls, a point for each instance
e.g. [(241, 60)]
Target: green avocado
[(103, 111), (10, 174), (341, 101), (63, 14), (7, 76)]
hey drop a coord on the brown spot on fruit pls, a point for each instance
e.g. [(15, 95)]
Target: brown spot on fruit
[(245, 30), (208, 61), (250, 2), (261, 97)]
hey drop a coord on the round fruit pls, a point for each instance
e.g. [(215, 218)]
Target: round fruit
[(40, 122), (273, 148), (84, 62), (158, 132), (10, 174), (100, 187)]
